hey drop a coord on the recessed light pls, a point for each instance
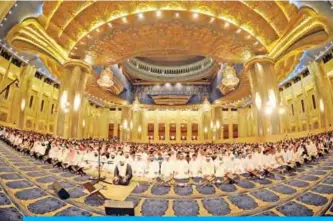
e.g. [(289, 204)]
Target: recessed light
[(158, 13), (177, 15), (15, 5), (195, 15), (124, 19), (10, 12), (141, 16), (212, 20), (5, 19), (226, 25), (239, 31), (97, 29), (110, 25)]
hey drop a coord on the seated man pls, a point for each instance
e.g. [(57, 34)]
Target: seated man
[(208, 170), (167, 170), (122, 173), (153, 168)]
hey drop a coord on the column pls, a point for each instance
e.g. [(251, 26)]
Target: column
[(324, 96), (178, 132), (73, 84), (189, 132), (25, 84), (242, 122), (264, 94)]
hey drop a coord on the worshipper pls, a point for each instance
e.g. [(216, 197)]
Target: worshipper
[(195, 167), (208, 170), (181, 173), (220, 169), (139, 167), (167, 170), (153, 168), (122, 173)]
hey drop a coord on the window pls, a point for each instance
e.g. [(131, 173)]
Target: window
[(314, 102), (7, 93), (42, 106), (52, 109), (292, 110), (31, 101), (302, 103)]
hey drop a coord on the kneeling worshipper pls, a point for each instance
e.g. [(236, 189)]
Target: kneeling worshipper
[(122, 174), (167, 169), (153, 168), (208, 170), (181, 170)]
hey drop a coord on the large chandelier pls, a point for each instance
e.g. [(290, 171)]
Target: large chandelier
[(229, 81), (106, 78), (136, 105), (206, 105)]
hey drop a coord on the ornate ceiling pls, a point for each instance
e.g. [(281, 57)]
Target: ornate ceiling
[(172, 32), (107, 32)]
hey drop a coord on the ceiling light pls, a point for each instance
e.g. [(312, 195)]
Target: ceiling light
[(212, 20), (248, 37), (75, 48), (15, 5), (1, 25), (124, 19), (238, 31), (5, 19), (177, 15), (256, 43), (158, 13), (97, 29), (110, 25), (226, 25), (195, 15), (140, 15), (88, 36), (10, 12)]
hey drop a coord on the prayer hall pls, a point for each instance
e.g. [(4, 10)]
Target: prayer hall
[(166, 108)]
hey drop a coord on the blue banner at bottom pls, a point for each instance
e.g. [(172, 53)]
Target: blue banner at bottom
[(132, 218)]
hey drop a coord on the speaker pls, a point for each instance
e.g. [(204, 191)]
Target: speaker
[(119, 208), (61, 192)]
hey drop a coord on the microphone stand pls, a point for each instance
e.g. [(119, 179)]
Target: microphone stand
[(99, 177)]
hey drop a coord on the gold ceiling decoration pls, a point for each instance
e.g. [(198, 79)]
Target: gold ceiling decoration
[(72, 23)]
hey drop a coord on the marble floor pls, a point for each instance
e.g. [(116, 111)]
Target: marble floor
[(25, 190)]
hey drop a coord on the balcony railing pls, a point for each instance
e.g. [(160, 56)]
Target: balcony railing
[(152, 72)]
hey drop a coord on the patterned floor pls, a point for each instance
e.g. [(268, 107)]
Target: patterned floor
[(25, 190)]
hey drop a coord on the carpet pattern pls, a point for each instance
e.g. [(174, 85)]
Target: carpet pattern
[(26, 190)]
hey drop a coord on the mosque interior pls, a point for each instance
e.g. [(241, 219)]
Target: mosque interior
[(173, 72)]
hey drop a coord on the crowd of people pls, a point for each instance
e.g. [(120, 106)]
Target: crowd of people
[(209, 162)]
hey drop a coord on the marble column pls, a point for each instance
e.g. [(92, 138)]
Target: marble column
[(73, 84), (323, 90), (265, 95), (25, 85)]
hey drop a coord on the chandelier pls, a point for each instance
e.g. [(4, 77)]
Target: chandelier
[(229, 81), (106, 78), (206, 105), (136, 105)]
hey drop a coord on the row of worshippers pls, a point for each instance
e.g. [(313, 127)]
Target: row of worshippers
[(209, 161)]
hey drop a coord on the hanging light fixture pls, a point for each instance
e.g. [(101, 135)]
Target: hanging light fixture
[(206, 105), (136, 105), (106, 78), (229, 81)]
